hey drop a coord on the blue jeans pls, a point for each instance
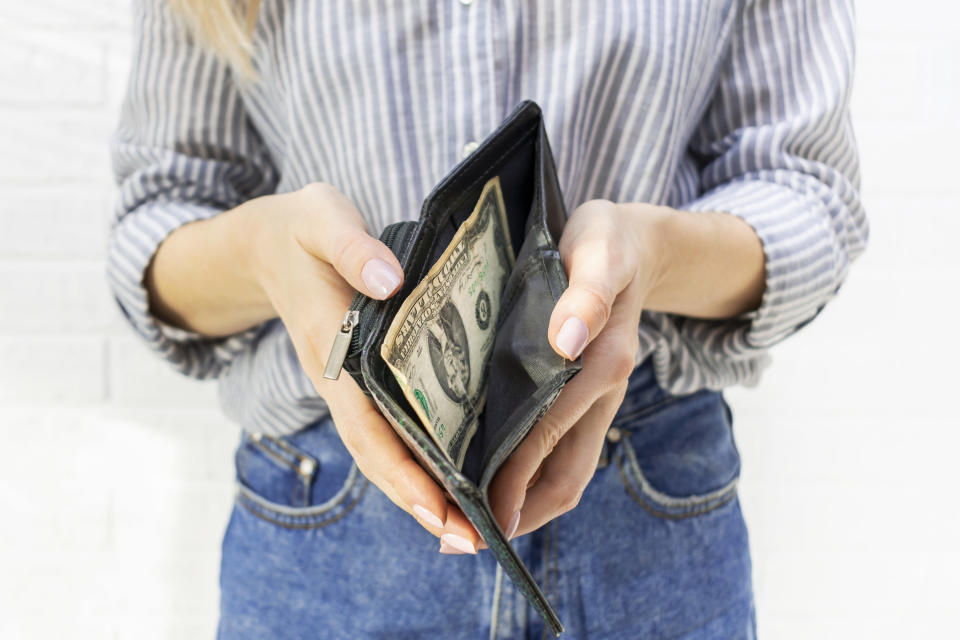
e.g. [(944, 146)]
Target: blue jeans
[(657, 547)]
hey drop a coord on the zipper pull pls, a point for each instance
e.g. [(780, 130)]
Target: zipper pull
[(338, 352)]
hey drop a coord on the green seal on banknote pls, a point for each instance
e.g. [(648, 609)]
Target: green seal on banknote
[(422, 399), (437, 355)]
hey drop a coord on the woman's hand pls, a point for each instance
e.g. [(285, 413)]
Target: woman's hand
[(620, 258), (312, 253), (611, 259), (300, 256)]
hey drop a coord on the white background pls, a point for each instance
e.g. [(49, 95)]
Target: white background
[(116, 477)]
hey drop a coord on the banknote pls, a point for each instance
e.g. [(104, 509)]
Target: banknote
[(441, 339)]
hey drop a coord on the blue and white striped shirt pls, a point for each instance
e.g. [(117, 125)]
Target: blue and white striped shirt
[(739, 106)]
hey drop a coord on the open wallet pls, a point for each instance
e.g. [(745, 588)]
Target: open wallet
[(524, 375)]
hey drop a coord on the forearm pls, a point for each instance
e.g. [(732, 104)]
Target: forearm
[(202, 277), (708, 265)]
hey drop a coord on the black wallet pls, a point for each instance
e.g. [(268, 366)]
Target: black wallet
[(525, 374)]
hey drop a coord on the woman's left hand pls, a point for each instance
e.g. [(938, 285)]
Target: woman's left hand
[(613, 261)]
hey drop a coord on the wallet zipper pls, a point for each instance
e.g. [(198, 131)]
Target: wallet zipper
[(348, 342), (341, 344)]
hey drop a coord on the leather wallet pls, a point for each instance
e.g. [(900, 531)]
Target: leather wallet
[(525, 374)]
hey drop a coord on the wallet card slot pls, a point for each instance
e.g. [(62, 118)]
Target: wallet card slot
[(444, 215), (525, 372)]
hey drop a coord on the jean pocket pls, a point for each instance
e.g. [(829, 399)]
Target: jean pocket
[(304, 480), (677, 459)]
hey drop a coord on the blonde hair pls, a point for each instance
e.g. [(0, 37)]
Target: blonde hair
[(226, 26)]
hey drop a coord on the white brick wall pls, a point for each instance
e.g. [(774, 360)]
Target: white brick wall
[(114, 499)]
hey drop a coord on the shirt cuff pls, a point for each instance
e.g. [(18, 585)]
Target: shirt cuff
[(133, 242), (803, 262)]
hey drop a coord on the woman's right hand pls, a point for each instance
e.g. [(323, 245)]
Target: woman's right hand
[(310, 251)]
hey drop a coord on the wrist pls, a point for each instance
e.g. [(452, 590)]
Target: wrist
[(249, 241), (707, 265), (653, 234)]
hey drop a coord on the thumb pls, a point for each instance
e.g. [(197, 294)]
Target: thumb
[(597, 273), (337, 234)]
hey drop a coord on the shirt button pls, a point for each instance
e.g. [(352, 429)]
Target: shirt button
[(614, 435), (466, 3), (470, 147)]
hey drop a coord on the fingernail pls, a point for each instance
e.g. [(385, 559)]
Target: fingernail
[(513, 524), (445, 548), (428, 516), (460, 544), (572, 337), (379, 277)]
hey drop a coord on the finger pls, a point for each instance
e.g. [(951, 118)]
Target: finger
[(385, 460), (458, 536), (569, 468), (509, 486), (607, 364), (598, 269), (338, 235), (376, 448)]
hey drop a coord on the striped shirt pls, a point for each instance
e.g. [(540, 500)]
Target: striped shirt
[(737, 106)]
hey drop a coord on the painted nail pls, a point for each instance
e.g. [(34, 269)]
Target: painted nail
[(572, 337), (428, 516), (513, 524), (379, 277), (445, 548), (457, 542)]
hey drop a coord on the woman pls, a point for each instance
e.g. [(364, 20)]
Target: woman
[(706, 153)]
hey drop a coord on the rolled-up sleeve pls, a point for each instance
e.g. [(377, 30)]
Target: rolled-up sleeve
[(184, 151), (777, 149)]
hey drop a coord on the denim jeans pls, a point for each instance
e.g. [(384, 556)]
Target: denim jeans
[(657, 547)]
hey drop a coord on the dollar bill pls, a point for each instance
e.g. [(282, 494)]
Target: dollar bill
[(441, 339)]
